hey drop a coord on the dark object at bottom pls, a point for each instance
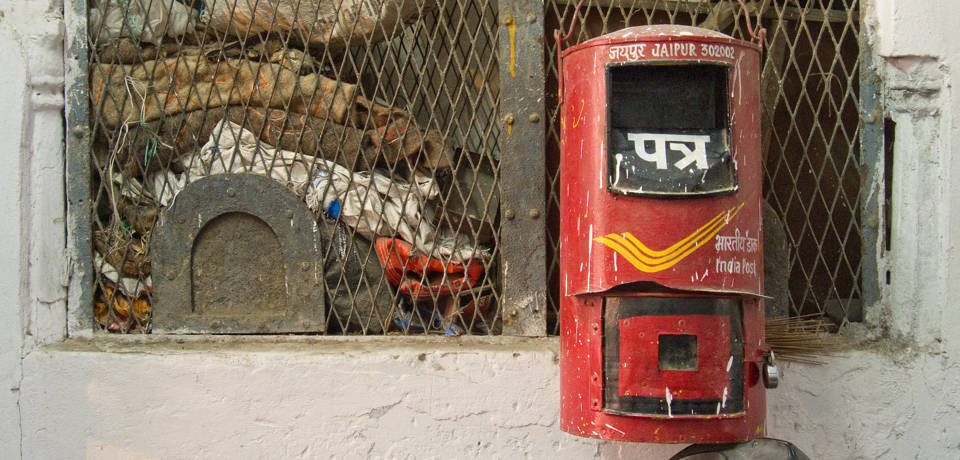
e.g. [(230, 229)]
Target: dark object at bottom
[(355, 287), (757, 449)]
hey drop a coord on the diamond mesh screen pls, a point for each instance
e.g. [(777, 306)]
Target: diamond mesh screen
[(811, 145), (378, 115), (381, 116)]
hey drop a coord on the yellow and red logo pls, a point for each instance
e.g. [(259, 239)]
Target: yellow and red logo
[(652, 261)]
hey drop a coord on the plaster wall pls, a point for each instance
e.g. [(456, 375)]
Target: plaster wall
[(892, 395), (11, 336)]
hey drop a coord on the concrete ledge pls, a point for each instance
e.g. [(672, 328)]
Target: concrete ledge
[(310, 397), (426, 397), (166, 344)]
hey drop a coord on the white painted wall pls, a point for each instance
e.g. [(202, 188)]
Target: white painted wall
[(894, 396), (11, 335), (32, 308)]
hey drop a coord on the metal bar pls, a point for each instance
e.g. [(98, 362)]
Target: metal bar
[(813, 14), (871, 173), (80, 289), (685, 6), (522, 167), (705, 6), (771, 81)]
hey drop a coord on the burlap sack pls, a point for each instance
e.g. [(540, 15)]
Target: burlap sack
[(334, 24), (151, 147), (309, 135), (161, 89), (394, 131), (132, 93), (126, 51), (140, 217)]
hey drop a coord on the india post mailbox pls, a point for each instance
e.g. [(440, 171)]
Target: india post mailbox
[(661, 263)]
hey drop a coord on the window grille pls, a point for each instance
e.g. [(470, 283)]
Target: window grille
[(380, 116), (452, 106), (811, 140)]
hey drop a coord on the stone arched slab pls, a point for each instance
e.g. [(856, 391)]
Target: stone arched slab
[(210, 239)]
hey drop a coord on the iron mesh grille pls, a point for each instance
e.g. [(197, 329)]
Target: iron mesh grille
[(400, 93), (811, 144), (411, 89)]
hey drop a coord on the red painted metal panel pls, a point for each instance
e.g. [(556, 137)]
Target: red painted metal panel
[(581, 397), (626, 245), (640, 374), (697, 244)]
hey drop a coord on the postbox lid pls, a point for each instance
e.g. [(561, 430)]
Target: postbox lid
[(660, 32)]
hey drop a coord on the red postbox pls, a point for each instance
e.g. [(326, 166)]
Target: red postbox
[(660, 254)]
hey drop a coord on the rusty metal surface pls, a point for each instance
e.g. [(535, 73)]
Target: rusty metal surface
[(237, 270), (78, 185), (522, 166), (872, 170), (237, 253)]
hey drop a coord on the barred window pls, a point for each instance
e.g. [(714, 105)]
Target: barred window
[(391, 166), (374, 124), (819, 248)]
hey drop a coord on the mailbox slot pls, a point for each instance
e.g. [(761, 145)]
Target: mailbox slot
[(690, 348), (669, 132), (677, 352)]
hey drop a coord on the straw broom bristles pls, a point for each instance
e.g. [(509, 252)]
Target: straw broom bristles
[(801, 339)]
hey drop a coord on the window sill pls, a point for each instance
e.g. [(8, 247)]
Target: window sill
[(169, 344)]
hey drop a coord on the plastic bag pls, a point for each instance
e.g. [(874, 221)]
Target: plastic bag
[(372, 203), (144, 20)]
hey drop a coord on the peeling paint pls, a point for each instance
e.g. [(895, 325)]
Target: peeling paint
[(512, 27)]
